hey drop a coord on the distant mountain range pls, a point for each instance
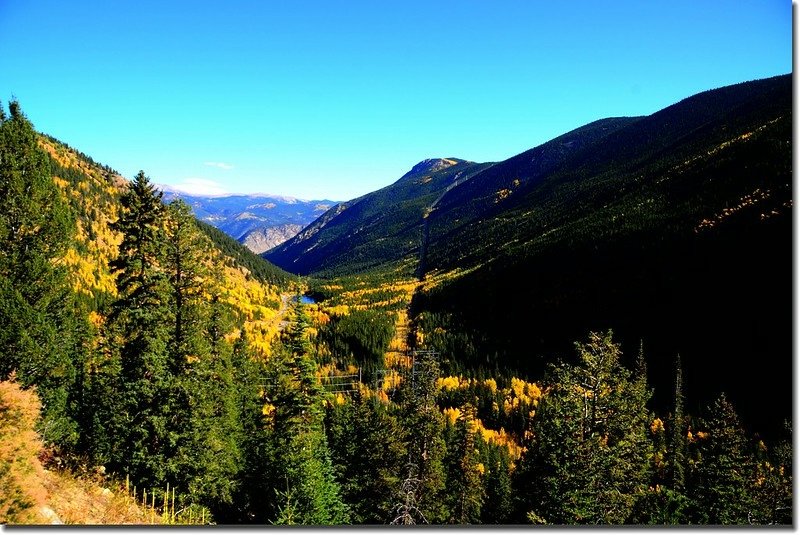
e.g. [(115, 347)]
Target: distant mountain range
[(259, 221), (674, 229)]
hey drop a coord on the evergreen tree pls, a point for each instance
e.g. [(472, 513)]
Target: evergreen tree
[(498, 503), (723, 478), (187, 278), (464, 482), (140, 327), (671, 504), (773, 486), (677, 435), (257, 477), (37, 311), (425, 476), (589, 459), (369, 454), (302, 475)]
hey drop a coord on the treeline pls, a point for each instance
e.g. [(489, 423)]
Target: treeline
[(598, 455), (109, 171)]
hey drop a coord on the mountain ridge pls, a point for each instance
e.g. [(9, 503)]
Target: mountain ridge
[(639, 211), (242, 215)]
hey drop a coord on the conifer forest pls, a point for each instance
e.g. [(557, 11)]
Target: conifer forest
[(594, 332)]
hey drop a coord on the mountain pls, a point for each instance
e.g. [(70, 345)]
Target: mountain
[(376, 229), (388, 225), (239, 215), (164, 354), (673, 229), (263, 239)]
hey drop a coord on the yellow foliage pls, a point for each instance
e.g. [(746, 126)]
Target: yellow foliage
[(657, 426), (521, 392), (447, 383), (500, 438), (391, 380), (492, 384), (501, 194), (452, 414), (96, 319), (338, 310), (383, 397)]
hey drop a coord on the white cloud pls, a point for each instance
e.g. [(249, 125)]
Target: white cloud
[(220, 165), (199, 186)]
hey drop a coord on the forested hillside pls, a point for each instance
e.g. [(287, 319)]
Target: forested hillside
[(673, 229), (142, 331), (375, 231), (518, 342)]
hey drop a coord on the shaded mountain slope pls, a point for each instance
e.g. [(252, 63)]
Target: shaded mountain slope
[(675, 231), (373, 230), (388, 225)]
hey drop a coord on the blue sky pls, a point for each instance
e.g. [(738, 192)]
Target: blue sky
[(336, 99)]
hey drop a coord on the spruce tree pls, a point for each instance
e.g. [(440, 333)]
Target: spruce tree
[(37, 310), (672, 506), (302, 475), (498, 503), (187, 277), (426, 478), (205, 407), (140, 327), (369, 453), (677, 435), (464, 482), (588, 462), (773, 485), (722, 482)]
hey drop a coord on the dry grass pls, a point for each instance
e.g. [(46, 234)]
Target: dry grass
[(87, 502), (21, 473), (31, 494)]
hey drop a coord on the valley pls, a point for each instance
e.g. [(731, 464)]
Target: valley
[(592, 332)]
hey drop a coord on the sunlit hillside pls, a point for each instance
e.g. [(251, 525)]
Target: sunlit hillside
[(93, 192)]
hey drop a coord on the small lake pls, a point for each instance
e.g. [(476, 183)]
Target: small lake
[(305, 300)]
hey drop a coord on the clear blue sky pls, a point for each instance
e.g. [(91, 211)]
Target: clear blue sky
[(322, 99)]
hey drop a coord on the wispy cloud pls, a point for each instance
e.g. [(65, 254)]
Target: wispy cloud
[(220, 165), (199, 186)]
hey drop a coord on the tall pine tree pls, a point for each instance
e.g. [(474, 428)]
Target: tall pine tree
[(140, 326), (302, 475), (204, 406), (37, 310), (588, 462), (722, 481)]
